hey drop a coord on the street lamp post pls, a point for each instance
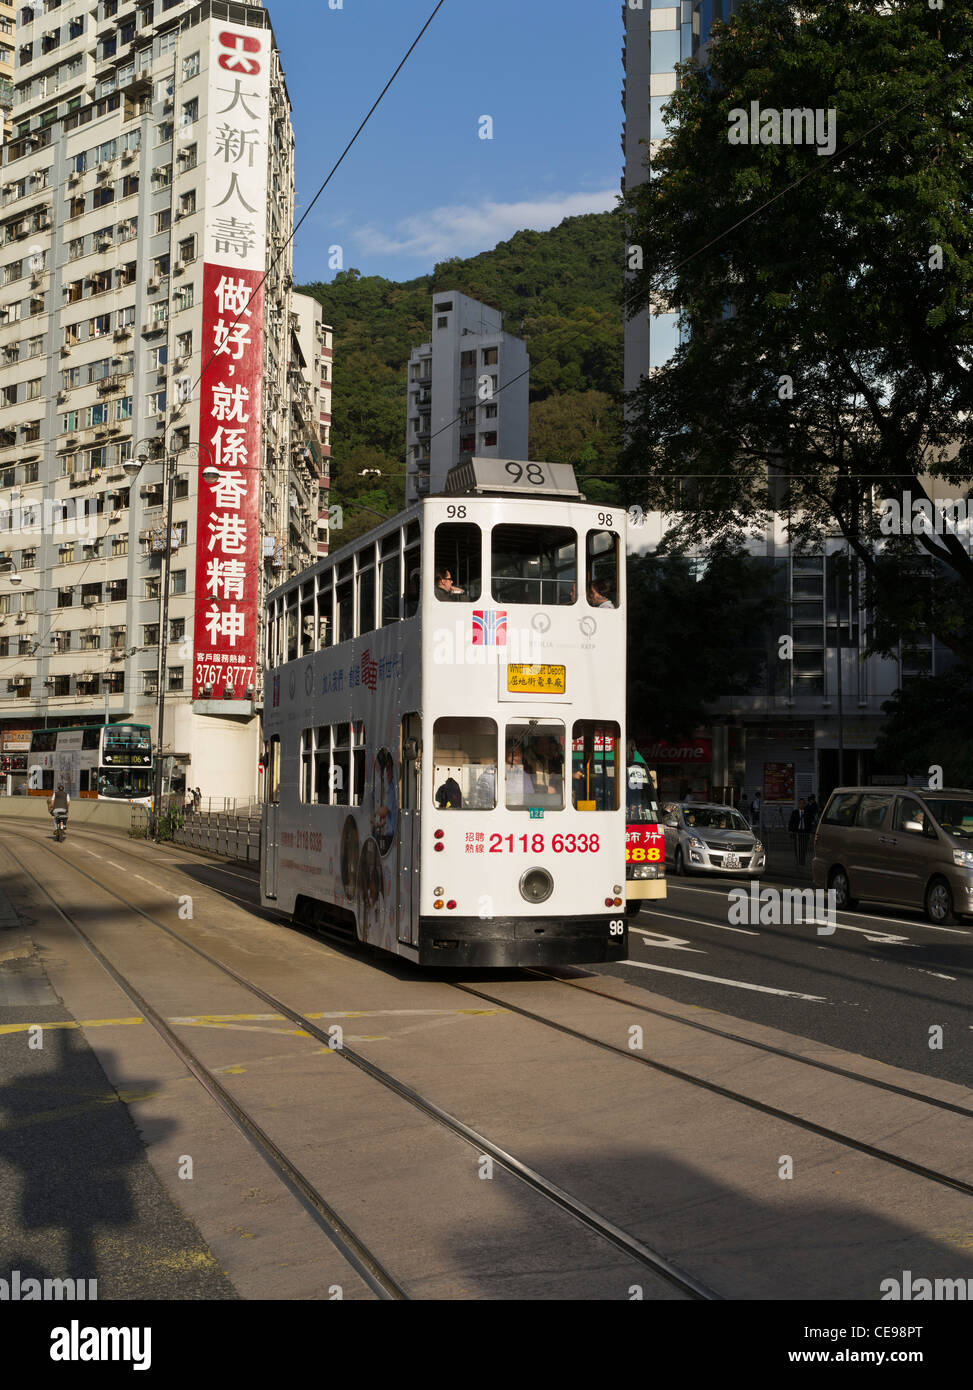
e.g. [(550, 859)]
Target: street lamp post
[(133, 467)]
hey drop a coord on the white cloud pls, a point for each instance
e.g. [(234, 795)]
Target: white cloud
[(468, 230)]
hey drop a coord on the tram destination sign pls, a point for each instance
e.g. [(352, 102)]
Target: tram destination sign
[(523, 679), (524, 477)]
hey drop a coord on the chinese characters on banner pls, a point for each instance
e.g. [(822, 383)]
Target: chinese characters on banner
[(228, 550)]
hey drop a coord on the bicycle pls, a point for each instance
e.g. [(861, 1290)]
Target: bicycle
[(60, 828)]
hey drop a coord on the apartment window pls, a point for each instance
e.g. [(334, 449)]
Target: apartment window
[(123, 408), (163, 220), (178, 581), (163, 175), (31, 472), (158, 357), (65, 555), (190, 68), (163, 133), (130, 185), (99, 326), (150, 635), (76, 249), (175, 678), (177, 629), (128, 274), (119, 545), (32, 432), (187, 203), (160, 267), (128, 231), (190, 111), (117, 590), (28, 559), (167, 44), (35, 389), (8, 476), (183, 298), (8, 395), (76, 207), (187, 249), (489, 439), (65, 598), (184, 344), (150, 682), (188, 158)]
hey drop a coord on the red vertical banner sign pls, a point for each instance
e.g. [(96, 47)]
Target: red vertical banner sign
[(228, 546)]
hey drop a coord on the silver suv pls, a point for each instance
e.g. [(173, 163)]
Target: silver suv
[(902, 845), (708, 838)]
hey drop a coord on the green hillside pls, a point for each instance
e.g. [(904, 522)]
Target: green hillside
[(558, 290)]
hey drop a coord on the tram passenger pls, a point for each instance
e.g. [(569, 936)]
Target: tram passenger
[(445, 588), (449, 797), (596, 597), (520, 784)]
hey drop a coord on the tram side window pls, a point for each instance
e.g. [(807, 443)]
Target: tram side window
[(292, 626), (345, 602), (391, 579), (366, 590), (307, 618), (90, 740), (459, 562), (602, 569), (594, 765), (534, 564), (272, 772), (273, 635), (359, 755), (341, 764), (534, 759), (464, 764), (325, 613), (307, 766), (413, 580)]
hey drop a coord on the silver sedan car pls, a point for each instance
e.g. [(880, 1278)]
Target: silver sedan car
[(711, 839)]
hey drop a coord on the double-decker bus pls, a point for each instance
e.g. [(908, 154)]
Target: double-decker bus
[(96, 762), (444, 715)]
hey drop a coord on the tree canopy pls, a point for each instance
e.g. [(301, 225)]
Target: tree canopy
[(826, 296)]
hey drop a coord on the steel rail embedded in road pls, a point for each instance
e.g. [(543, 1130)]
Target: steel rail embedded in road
[(824, 1131), (651, 1259)]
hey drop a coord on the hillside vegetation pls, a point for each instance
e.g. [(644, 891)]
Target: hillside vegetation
[(559, 290)]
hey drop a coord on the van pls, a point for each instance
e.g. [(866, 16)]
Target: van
[(902, 845)]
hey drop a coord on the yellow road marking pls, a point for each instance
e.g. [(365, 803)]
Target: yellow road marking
[(229, 1020)]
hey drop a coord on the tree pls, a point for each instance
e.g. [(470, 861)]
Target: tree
[(930, 725), (827, 299), (693, 636)]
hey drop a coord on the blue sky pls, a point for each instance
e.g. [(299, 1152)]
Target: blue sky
[(419, 184)]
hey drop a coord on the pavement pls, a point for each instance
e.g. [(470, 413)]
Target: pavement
[(97, 1125)]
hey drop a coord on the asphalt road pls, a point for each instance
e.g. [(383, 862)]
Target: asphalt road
[(877, 986)]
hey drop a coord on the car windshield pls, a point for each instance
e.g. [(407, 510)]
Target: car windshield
[(954, 815), (640, 803), (713, 818)]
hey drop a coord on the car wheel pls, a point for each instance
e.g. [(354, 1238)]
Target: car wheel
[(939, 902), (838, 883), (681, 870)]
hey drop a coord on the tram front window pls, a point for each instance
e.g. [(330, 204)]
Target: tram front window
[(594, 766), (641, 805), (124, 783), (458, 562), (464, 764), (534, 758), (534, 564)]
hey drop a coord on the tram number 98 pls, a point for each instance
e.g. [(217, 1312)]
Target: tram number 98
[(616, 928)]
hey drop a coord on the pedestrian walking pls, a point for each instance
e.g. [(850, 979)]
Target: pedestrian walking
[(189, 804), (813, 812), (197, 800), (799, 826)]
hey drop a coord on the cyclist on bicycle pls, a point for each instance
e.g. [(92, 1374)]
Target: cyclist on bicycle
[(59, 806)]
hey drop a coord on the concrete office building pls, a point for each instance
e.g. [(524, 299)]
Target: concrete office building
[(468, 393), (8, 41), (146, 192), (315, 340)]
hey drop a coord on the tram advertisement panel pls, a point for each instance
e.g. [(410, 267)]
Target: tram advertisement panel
[(230, 401)]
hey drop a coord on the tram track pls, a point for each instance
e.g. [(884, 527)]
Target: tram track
[(874, 1083), (355, 1251)]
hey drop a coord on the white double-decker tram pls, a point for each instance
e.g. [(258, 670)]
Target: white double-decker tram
[(444, 728)]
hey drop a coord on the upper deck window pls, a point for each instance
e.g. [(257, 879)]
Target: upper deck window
[(459, 562), (602, 569), (535, 564)]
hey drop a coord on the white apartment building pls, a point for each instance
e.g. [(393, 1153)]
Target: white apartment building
[(8, 39), (146, 192), (468, 393), (315, 340)]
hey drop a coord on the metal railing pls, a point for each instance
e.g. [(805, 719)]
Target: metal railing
[(231, 833)]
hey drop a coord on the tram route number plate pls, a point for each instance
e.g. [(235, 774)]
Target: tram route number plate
[(523, 679)]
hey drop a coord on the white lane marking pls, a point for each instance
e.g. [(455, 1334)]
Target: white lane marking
[(716, 980), (879, 936), (672, 943), (703, 921), (119, 867), (868, 916)]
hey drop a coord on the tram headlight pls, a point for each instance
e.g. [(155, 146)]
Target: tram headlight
[(536, 886)]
